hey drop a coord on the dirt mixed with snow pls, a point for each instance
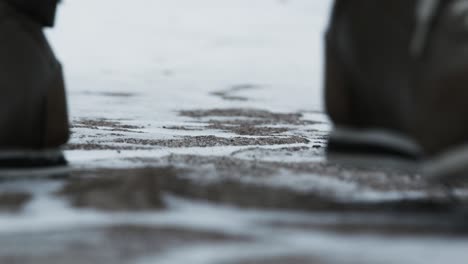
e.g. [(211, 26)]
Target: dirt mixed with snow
[(198, 137)]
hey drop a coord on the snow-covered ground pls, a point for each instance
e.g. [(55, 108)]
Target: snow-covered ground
[(248, 74), (159, 57), (171, 54)]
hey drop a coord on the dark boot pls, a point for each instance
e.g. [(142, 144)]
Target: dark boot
[(33, 110), (443, 94), (42, 11), (396, 82), (368, 82)]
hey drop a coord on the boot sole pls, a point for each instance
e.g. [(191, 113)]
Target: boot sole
[(373, 149), (448, 168), (29, 163)]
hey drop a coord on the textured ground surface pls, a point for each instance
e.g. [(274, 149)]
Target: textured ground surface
[(198, 137)]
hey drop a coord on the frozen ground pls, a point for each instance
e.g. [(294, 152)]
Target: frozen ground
[(198, 137)]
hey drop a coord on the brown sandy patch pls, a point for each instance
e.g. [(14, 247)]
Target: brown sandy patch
[(13, 201), (134, 189), (213, 141), (140, 189), (237, 168), (257, 116), (248, 129), (105, 124), (184, 128), (317, 150), (100, 146), (137, 189)]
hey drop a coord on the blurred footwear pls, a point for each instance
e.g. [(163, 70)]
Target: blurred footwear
[(369, 89), (443, 107), (396, 88), (376, 149), (33, 109), (42, 11)]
